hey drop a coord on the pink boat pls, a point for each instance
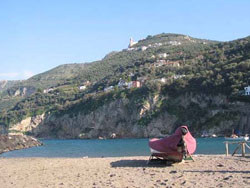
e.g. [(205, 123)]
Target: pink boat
[(174, 147)]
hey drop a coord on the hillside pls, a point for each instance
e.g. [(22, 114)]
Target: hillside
[(108, 69), (177, 74)]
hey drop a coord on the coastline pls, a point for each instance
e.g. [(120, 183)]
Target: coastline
[(205, 171)]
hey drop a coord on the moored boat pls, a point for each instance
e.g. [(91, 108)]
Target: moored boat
[(240, 138)]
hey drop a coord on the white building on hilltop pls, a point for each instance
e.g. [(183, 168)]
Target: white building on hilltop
[(131, 42), (247, 90)]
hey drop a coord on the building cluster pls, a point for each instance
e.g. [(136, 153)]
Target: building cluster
[(162, 62), (143, 48), (140, 81), (172, 42), (124, 84)]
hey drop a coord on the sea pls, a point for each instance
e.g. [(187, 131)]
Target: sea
[(74, 148)]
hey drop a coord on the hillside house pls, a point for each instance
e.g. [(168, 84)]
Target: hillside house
[(134, 84), (86, 83), (163, 55), (143, 48), (110, 88), (173, 63), (247, 90), (177, 76), (163, 80), (187, 37), (157, 44), (160, 63), (122, 83), (152, 57), (83, 87), (48, 90), (174, 43), (131, 74)]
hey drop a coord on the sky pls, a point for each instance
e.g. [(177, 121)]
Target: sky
[(38, 35)]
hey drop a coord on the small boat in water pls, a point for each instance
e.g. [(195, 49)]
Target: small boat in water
[(240, 138)]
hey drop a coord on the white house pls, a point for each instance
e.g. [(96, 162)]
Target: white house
[(163, 55), (48, 90), (163, 80), (131, 74), (134, 84), (174, 43), (82, 87), (130, 84), (143, 48), (177, 76), (122, 83), (247, 90), (107, 89)]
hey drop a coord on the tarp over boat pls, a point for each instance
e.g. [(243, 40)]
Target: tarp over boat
[(169, 144)]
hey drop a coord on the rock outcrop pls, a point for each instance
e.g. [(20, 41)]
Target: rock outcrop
[(21, 91), (14, 142), (27, 124)]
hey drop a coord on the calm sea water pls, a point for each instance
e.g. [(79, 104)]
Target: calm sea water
[(108, 148)]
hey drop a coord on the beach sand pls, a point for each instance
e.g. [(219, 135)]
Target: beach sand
[(205, 171)]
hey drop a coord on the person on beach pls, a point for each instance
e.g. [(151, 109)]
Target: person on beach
[(182, 146)]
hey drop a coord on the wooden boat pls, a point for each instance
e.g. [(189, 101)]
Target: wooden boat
[(174, 147)]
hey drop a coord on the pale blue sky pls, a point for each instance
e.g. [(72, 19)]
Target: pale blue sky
[(37, 35)]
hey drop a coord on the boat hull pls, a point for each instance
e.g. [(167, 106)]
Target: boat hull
[(237, 139)]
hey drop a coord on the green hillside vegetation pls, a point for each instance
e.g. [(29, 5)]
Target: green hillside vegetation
[(204, 66)]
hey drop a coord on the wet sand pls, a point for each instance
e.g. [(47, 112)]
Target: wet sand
[(205, 171)]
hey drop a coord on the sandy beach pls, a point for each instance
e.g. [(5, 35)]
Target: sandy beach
[(205, 171)]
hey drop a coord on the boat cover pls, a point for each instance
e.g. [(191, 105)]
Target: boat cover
[(168, 144)]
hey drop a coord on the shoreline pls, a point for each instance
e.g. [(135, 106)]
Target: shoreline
[(103, 157), (17, 142), (205, 171)]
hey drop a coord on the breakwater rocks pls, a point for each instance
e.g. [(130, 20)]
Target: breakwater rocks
[(14, 142)]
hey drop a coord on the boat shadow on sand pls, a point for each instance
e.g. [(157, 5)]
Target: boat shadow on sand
[(143, 164), (140, 163)]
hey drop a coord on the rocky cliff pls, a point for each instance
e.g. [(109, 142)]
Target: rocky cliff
[(21, 91), (5, 84), (14, 142), (157, 116)]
